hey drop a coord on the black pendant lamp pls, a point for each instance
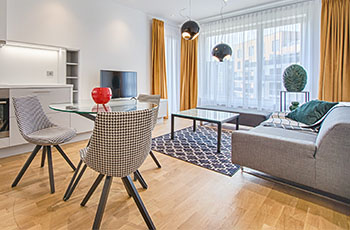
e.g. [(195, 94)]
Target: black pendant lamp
[(190, 29), (222, 51)]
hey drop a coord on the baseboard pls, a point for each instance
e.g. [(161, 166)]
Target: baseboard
[(20, 149)]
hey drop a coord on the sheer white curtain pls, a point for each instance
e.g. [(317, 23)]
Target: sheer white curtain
[(172, 56), (263, 45)]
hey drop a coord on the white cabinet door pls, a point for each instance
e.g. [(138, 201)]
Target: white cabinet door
[(81, 124), (46, 96), (4, 142)]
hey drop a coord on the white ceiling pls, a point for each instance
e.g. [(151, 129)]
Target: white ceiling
[(170, 9)]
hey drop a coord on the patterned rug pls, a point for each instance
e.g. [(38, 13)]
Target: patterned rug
[(199, 148)]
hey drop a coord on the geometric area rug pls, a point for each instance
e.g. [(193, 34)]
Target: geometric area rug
[(199, 148)]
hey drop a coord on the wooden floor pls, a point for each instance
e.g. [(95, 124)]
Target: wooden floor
[(180, 196)]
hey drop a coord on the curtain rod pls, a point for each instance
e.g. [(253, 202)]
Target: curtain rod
[(255, 9)]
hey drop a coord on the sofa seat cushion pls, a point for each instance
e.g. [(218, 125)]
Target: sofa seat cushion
[(286, 133), (249, 117)]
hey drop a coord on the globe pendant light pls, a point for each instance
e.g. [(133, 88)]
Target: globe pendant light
[(190, 29), (222, 51)]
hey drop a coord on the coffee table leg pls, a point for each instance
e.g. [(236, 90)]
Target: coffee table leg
[(172, 126), (219, 138), (237, 123), (194, 125)]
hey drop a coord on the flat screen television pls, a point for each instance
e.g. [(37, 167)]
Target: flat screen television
[(122, 83)]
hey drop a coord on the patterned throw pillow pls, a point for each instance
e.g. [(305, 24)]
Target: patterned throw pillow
[(310, 112)]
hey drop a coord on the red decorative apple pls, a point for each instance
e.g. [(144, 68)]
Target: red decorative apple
[(101, 95)]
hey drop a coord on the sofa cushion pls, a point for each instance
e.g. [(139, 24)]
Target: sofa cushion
[(310, 112), (286, 133)]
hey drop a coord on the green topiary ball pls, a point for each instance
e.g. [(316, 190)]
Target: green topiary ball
[(294, 78)]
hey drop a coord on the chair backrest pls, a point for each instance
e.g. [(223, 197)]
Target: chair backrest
[(120, 142), (155, 99), (30, 115)]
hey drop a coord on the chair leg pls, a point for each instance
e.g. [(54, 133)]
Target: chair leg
[(127, 188), (127, 180), (43, 157), (155, 159), (102, 203), (72, 180), (92, 189), (65, 157), (75, 183), (26, 165), (139, 177), (49, 162)]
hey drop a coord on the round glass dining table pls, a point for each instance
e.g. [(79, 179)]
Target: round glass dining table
[(89, 109)]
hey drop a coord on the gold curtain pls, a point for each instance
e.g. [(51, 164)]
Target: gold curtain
[(334, 82), (189, 72), (159, 85)]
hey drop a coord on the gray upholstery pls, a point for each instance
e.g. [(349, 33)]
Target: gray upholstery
[(34, 125), (318, 160), (249, 117), (120, 142), (155, 99), (333, 154)]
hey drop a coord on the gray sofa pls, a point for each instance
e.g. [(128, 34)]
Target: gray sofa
[(317, 160)]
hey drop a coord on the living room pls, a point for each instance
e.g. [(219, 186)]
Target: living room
[(215, 114)]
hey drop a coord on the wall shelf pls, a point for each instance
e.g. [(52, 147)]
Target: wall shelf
[(72, 72)]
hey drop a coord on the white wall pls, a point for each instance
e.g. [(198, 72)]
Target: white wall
[(109, 36), (19, 65), (2, 19)]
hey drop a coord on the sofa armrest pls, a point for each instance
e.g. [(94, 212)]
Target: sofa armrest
[(288, 158)]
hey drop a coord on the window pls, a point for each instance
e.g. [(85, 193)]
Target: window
[(251, 51), (265, 43), (239, 53)]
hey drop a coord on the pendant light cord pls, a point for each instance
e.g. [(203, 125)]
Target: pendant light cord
[(223, 4), (190, 3)]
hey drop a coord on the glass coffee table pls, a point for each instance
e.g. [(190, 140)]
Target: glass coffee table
[(210, 116)]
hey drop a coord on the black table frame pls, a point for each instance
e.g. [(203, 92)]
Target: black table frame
[(235, 116), (283, 98)]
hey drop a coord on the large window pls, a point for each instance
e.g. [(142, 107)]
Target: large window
[(263, 45)]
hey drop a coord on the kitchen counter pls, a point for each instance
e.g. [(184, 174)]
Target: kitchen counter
[(23, 86)]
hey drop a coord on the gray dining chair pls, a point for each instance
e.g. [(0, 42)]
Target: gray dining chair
[(155, 99), (119, 144), (36, 128)]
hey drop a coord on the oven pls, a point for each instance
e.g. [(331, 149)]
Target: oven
[(4, 113)]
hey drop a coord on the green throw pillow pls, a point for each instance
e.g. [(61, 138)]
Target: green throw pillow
[(310, 112)]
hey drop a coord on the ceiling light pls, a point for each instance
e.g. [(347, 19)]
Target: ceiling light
[(190, 29), (222, 52)]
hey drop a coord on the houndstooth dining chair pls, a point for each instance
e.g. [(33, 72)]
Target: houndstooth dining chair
[(36, 128), (119, 144), (155, 99)]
